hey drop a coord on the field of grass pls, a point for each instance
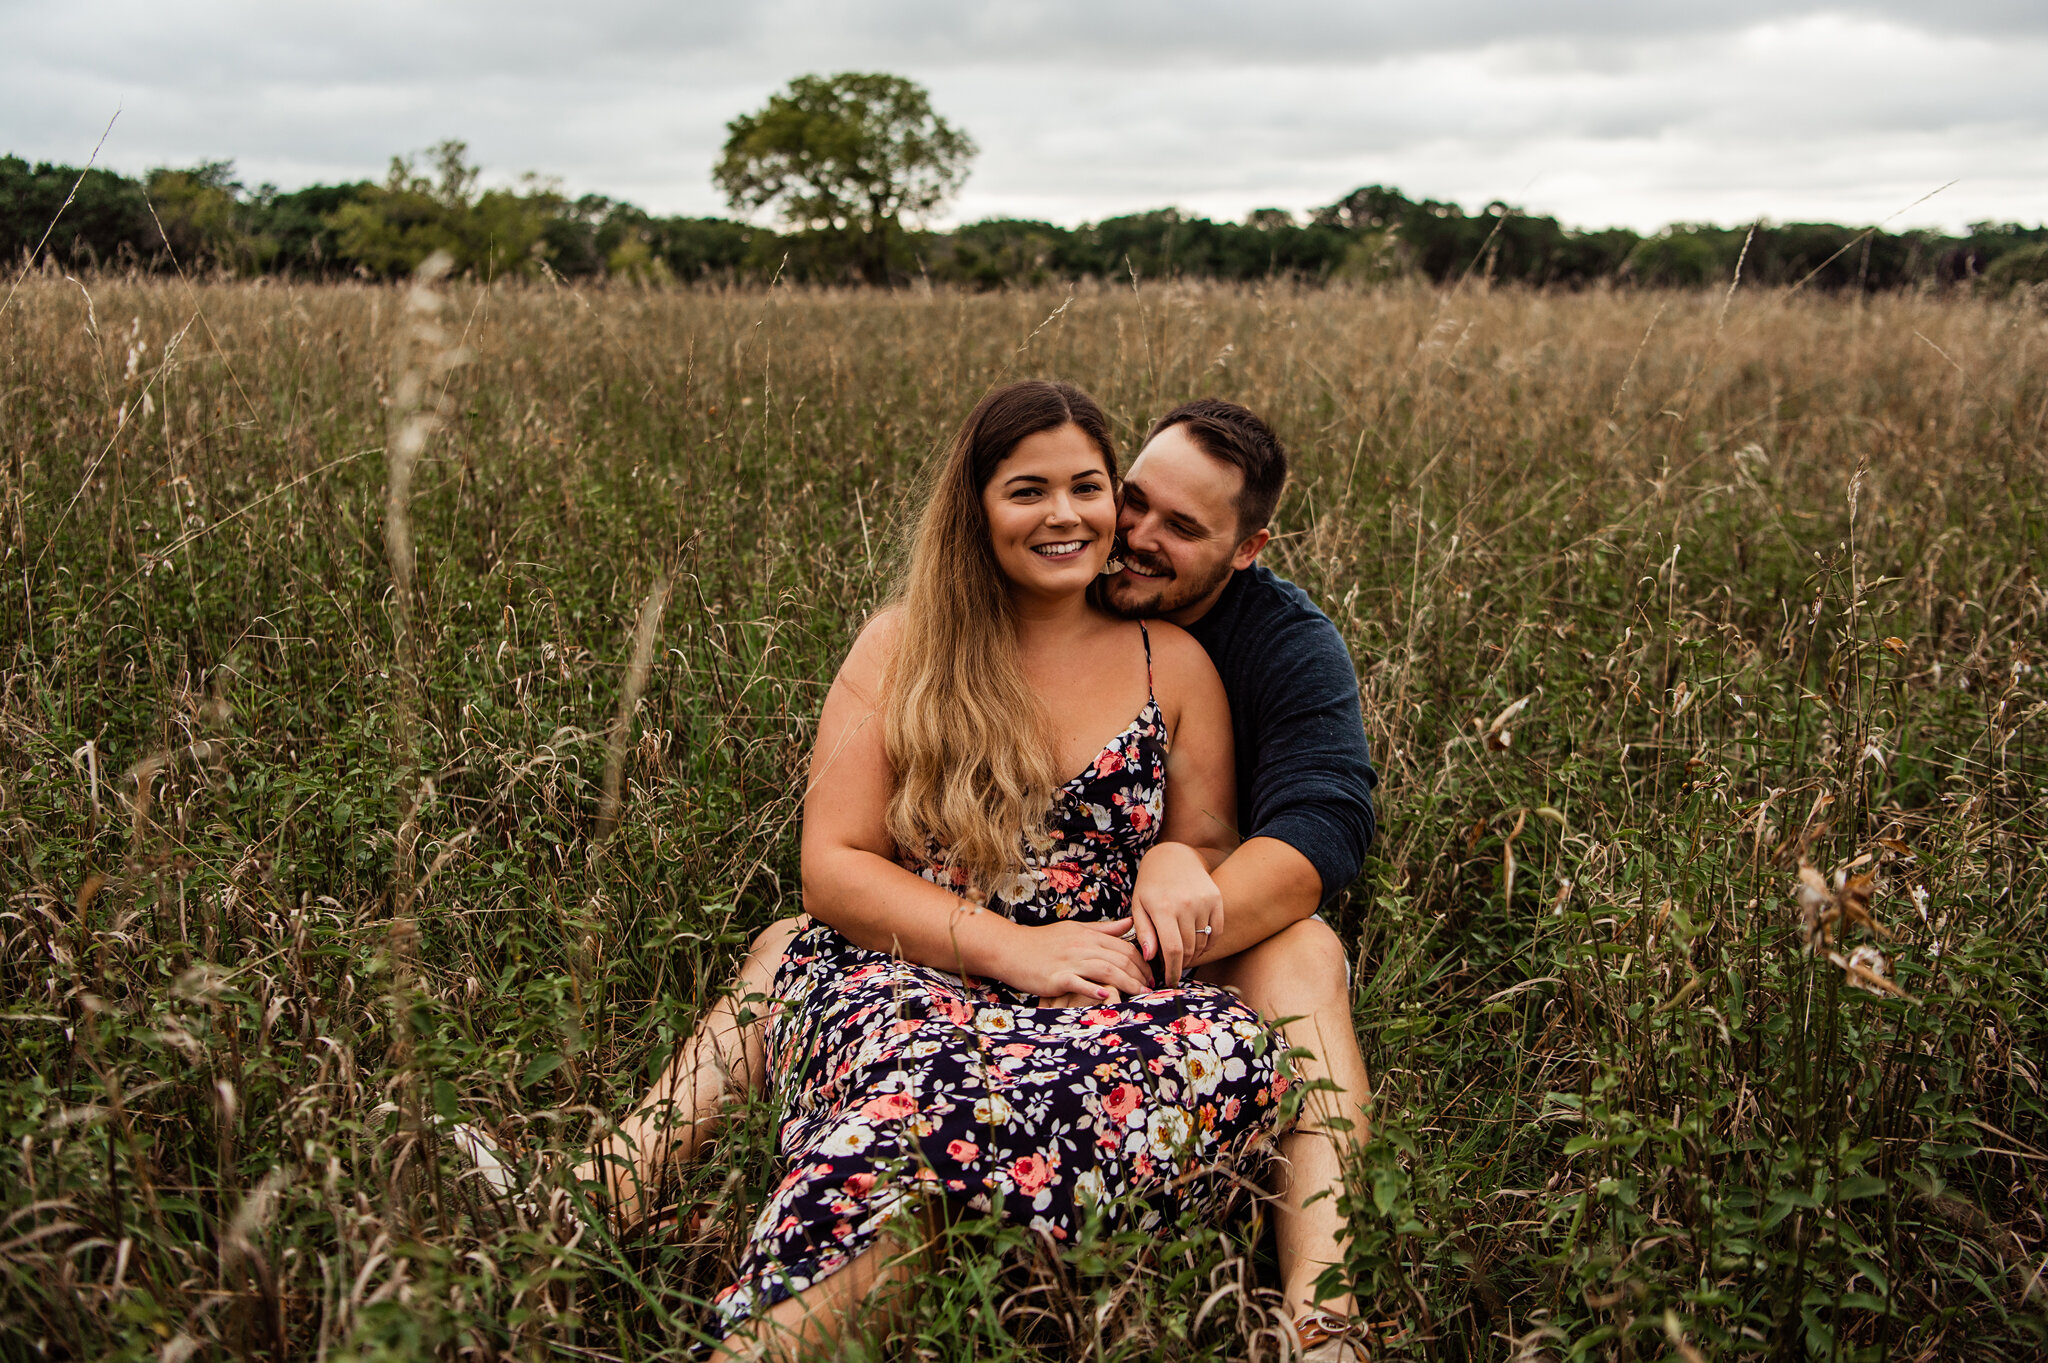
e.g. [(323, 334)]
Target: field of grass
[(339, 792)]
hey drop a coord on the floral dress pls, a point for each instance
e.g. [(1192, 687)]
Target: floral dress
[(900, 1084)]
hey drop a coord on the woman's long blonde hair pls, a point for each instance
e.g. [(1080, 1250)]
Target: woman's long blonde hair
[(971, 746)]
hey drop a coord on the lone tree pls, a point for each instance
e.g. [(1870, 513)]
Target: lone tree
[(852, 154)]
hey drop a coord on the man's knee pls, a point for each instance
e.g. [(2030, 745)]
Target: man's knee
[(1313, 958), (1303, 967), (775, 938), (765, 955)]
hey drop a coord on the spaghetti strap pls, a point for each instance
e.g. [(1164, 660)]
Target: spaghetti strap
[(1150, 692)]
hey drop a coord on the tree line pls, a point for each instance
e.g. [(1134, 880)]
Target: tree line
[(202, 219)]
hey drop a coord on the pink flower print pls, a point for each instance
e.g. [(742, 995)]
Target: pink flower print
[(953, 1010), (1100, 1017), (1110, 761), (1141, 818), (1122, 1101), (787, 1224), (861, 1184), (1231, 1107), (1032, 1172), (1062, 877), (1018, 1049), (1188, 1025), (889, 1107), (963, 1152)]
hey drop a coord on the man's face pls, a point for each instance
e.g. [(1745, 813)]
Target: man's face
[(1179, 531)]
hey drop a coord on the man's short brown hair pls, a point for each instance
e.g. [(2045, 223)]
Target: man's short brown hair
[(1224, 430)]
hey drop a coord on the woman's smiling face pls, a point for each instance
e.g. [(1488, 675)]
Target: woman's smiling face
[(1051, 512)]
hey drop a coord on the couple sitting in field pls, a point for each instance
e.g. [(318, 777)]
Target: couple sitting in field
[(1077, 794)]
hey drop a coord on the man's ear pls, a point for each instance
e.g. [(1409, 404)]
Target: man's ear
[(1249, 550)]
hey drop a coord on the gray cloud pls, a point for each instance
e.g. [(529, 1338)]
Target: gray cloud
[(1596, 111)]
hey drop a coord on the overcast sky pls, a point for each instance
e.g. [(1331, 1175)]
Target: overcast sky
[(1600, 113)]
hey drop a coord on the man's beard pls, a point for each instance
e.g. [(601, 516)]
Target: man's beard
[(1157, 596)]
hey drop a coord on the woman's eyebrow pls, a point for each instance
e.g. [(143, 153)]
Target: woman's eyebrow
[(1040, 478)]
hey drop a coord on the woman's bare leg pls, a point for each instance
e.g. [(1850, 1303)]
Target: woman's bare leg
[(723, 1059), (813, 1320)]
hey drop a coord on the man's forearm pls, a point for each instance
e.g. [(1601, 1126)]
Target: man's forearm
[(1267, 885)]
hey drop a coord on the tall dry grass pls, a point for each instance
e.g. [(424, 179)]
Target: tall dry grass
[(1654, 597)]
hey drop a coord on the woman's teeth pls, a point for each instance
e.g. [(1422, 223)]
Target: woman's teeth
[(1056, 550)]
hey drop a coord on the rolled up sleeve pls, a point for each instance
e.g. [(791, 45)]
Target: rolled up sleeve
[(1311, 782)]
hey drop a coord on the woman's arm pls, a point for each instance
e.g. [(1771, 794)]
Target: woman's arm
[(1175, 897), (853, 882)]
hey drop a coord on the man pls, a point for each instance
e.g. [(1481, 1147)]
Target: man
[(1195, 509)]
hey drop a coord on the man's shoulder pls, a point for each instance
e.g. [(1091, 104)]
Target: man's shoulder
[(1267, 594), (1266, 608), (1272, 635)]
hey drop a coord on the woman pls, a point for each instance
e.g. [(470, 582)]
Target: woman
[(964, 1024)]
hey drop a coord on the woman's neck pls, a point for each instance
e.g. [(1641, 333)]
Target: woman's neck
[(1041, 618)]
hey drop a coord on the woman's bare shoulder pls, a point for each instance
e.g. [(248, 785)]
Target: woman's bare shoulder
[(1175, 647), (1180, 666), (867, 662)]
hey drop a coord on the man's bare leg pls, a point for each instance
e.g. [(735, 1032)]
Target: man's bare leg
[(724, 1059), (1300, 972)]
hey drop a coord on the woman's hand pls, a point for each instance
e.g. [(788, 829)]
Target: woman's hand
[(1177, 908), (1091, 960), (1078, 1000)]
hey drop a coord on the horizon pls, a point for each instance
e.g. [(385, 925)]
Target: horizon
[(529, 181)]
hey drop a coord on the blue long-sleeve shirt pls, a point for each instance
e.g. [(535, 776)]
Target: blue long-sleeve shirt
[(1304, 772)]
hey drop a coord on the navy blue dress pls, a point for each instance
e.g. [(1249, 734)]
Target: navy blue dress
[(899, 1084)]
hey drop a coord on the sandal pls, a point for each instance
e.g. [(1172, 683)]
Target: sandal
[(1327, 1337)]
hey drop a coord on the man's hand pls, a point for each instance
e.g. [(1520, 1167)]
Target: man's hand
[(1176, 908), (1062, 960)]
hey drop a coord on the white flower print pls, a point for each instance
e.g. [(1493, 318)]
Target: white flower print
[(849, 1139)]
